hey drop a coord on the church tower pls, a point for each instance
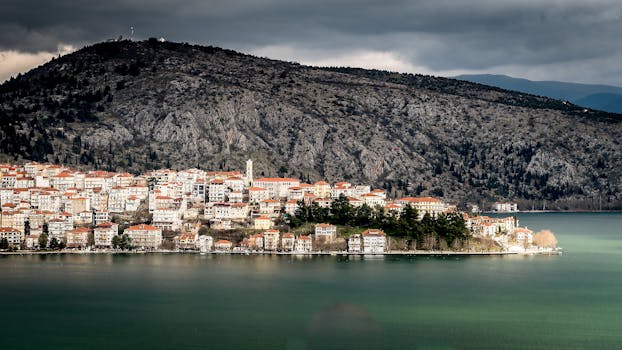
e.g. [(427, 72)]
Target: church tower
[(249, 172)]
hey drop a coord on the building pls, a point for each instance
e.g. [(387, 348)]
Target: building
[(303, 244), (374, 241), (77, 238), (223, 245), (187, 241), (277, 187), (103, 234), (205, 243), (287, 242), (271, 240), (355, 244), (145, 236), (424, 205), (325, 233), (505, 207), (262, 223), (13, 236)]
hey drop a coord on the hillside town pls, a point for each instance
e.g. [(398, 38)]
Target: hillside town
[(47, 207)]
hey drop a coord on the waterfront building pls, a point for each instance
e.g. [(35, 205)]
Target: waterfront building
[(205, 243), (271, 240), (325, 233), (103, 234), (13, 236), (187, 241), (374, 241), (223, 245), (303, 244), (429, 205), (145, 236), (287, 242), (77, 238), (500, 207), (354, 244)]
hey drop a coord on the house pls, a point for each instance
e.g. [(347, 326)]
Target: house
[(13, 236), (262, 223), (145, 236), (101, 216), (325, 232), (271, 240), (277, 187), (523, 236), (77, 238), (257, 194), (217, 191), (374, 241), (303, 244), (354, 244), (270, 207), (205, 243), (103, 234), (287, 242), (58, 226), (255, 242), (321, 189), (429, 205), (500, 207), (291, 206), (31, 241), (223, 245), (187, 241), (167, 219)]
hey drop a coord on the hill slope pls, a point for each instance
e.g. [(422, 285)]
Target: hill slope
[(602, 97), (143, 105)]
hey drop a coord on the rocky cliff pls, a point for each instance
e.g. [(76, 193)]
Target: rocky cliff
[(144, 105)]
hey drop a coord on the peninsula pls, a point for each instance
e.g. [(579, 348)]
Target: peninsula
[(48, 208)]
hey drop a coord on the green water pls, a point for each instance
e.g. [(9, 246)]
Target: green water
[(94, 302)]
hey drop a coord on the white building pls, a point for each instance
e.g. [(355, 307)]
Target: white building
[(505, 207), (103, 234), (287, 242), (271, 240), (303, 244), (13, 236), (354, 244), (277, 186), (145, 236), (325, 232), (374, 241)]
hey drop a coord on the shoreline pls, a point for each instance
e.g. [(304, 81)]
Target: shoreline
[(331, 253)]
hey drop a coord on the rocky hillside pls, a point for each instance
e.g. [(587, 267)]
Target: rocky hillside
[(144, 105)]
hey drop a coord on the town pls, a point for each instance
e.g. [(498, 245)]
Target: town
[(46, 207)]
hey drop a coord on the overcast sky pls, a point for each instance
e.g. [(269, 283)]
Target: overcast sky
[(567, 40)]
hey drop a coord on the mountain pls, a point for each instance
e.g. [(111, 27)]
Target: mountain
[(142, 105), (602, 97)]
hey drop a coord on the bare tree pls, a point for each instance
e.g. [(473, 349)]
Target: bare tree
[(545, 238)]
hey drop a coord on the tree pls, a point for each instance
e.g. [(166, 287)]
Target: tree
[(53, 243), (545, 238), (4, 244), (43, 241), (26, 228)]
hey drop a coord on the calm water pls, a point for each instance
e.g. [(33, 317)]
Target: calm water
[(572, 301)]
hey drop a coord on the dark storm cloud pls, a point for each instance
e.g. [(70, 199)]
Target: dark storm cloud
[(440, 35)]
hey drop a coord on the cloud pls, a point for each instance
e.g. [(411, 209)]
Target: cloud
[(13, 62), (510, 36)]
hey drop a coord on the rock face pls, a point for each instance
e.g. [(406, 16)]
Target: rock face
[(144, 105)]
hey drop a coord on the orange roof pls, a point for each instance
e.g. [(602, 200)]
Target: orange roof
[(223, 241), (79, 230), (304, 238), (373, 232), (324, 225), (288, 235), (277, 179), (106, 224), (7, 229), (262, 218), (142, 227), (321, 183), (256, 189), (420, 199)]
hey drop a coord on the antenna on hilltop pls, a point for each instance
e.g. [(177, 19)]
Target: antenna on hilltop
[(131, 32)]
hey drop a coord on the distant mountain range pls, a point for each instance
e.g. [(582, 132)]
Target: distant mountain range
[(602, 97), (134, 106)]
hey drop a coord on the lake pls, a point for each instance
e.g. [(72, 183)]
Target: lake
[(171, 301)]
